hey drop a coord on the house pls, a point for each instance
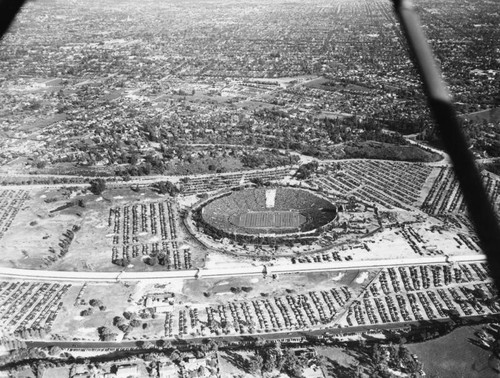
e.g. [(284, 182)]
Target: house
[(167, 370), (127, 371)]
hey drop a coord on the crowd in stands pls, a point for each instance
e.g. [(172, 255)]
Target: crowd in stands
[(203, 184), (221, 217)]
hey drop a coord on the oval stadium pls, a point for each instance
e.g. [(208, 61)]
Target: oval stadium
[(267, 211)]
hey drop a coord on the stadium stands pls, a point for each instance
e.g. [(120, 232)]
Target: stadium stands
[(246, 212)]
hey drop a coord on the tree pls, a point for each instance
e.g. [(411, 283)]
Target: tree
[(306, 170), (40, 164), (151, 260), (97, 186), (290, 364), (270, 363), (176, 356), (117, 320), (254, 364), (87, 312), (125, 328), (55, 350), (212, 344), (135, 323), (96, 303), (106, 334), (121, 262), (165, 187)]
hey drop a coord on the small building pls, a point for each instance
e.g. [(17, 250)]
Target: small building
[(127, 371), (167, 370)]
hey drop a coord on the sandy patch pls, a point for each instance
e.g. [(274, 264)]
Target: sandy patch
[(362, 277)]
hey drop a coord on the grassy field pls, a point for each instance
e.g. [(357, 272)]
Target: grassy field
[(33, 240), (274, 219), (71, 324), (337, 360), (453, 356)]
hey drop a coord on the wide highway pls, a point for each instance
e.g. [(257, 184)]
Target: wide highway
[(70, 276)]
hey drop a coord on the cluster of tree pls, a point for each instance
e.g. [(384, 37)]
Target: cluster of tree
[(97, 186), (306, 170), (398, 357), (267, 159), (237, 289), (151, 260), (121, 262), (354, 129), (157, 258), (21, 354), (165, 187), (87, 312), (27, 333), (64, 243), (98, 304), (483, 137), (106, 334), (270, 358), (388, 151), (122, 324), (259, 182), (131, 320)]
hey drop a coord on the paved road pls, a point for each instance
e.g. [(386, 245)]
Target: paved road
[(69, 276), (198, 340), (179, 342)]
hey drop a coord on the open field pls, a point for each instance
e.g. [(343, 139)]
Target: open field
[(454, 355), (72, 229), (71, 324)]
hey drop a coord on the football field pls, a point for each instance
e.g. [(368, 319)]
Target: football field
[(271, 219)]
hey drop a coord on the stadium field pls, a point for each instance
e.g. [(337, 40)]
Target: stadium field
[(271, 219)]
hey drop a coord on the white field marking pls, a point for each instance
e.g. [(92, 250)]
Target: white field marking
[(270, 198)]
